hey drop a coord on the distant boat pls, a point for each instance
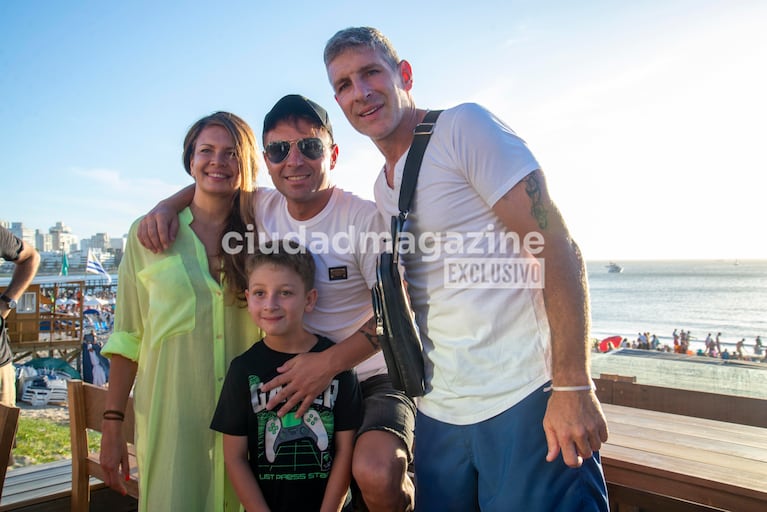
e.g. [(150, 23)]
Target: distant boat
[(614, 268)]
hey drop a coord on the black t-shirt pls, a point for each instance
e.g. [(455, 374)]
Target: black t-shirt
[(291, 457), (10, 248)]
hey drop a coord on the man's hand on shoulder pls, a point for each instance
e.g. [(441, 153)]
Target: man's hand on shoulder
[(158, 229), (302, 379)]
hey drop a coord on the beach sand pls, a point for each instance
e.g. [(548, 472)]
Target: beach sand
[(54, 412)]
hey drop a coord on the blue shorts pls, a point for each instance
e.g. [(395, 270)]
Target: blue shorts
[(500, 465)]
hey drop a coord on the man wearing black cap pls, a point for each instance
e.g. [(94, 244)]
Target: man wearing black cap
[(300, 153)]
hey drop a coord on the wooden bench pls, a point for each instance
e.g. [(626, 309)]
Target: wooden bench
[(617, 378), (683, 462), (9, 420), (86, 407)]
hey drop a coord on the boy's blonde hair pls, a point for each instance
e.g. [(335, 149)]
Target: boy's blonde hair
[(285, 253)]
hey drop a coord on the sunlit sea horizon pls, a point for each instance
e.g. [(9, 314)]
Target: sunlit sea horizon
[(702, 296)]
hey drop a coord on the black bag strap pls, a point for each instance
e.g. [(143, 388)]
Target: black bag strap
[(421, 136)]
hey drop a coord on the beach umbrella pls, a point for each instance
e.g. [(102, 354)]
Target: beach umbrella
[(53, 364), (92, 301), (610, 343)]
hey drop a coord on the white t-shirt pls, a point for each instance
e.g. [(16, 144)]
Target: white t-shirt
[(345, 259), (486, 348)]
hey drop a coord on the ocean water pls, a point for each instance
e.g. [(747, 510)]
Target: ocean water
[(700, 296)]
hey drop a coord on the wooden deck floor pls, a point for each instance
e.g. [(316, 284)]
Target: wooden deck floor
[(48, 487)]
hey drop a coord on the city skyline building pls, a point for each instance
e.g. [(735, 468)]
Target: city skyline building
[(59, 237)]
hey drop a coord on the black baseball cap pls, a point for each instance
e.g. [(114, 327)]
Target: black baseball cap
[(297, 105)]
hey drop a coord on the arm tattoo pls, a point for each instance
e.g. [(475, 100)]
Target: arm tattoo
[(368, 330), (533, 189)]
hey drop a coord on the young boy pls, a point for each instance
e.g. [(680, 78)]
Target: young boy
[(289, 463)]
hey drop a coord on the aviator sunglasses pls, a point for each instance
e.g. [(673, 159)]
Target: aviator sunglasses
[(311, 147)]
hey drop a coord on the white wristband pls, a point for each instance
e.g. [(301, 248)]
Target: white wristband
[(590, 387)]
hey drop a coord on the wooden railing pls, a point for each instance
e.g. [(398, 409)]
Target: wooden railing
[(622, 390)]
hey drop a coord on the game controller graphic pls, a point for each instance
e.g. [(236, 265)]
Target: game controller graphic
[(289, 428)]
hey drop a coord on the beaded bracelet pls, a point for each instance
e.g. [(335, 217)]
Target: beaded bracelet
[(112, 414)]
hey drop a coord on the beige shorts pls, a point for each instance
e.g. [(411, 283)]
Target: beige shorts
[(8, 384)]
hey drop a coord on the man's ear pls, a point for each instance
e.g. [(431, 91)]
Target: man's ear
[(406, 74), (333, 155)]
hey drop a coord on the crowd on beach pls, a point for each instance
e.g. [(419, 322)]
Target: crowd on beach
[(712, 346)]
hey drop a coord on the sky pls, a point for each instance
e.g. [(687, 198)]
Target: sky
[(648, 117)]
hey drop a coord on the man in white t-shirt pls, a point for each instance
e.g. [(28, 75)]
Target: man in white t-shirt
[(342, 231), (500, 296)]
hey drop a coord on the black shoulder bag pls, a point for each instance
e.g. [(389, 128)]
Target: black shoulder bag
[(395, 322)]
